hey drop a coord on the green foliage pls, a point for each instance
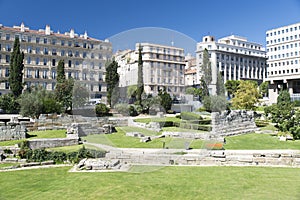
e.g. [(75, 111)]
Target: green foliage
[(165, 100), (131, 91), (63, 88), (112, 80), (215, 103), (285, 116), (220, 85), (190, 90), (246, 96), (232, 86), (101, 110), (150, 103), (264, 89), (16, 67), (127, 109), (80, 95), (190, 116), (206, 67), (140, 82), (203, 92), (40, 155), (9, 103), (38, 101)]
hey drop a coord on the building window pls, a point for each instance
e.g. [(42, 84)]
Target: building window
[(28, 60), (76, 75), (7, 58), (53, 86), (37, 50), (69, 74), (53, 74), (6, 72), (76, 63), (45, 85), (45, 74), (70, 53), (37, 73), (69, 43), (6, 85), (7, 47), (45, 51), (37, 40), (54, 52), (84, 76), (7, 37), (84, 55), (29, 49), (45, 40), (76, 54), (45, 61), (99, 87), (53, 62), (62, 52), (53, 41), (62, 43), (70, 63)]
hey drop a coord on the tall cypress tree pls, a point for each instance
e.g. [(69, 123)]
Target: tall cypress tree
[(112, 81), (206, 67), (16, 70), (220, 85), (61, 77), (63, 88), (140, 82)]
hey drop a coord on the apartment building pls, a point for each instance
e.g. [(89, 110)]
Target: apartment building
[(84, 58), (283, 51), (234, 56), (163, 67)]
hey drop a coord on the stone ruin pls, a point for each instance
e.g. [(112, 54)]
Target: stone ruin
[(232, 122), (84, 129), (12, 130), (99, 164)]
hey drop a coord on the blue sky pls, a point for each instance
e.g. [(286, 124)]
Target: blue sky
[(195, 18)]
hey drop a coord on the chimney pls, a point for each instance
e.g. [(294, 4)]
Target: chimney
[(72, 34), (47, 30), (22, 27), (85, 36)]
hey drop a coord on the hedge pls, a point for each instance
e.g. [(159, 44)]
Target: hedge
[(190, 116)]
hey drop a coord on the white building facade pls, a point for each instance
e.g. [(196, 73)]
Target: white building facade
[(163, 67), (233, 56), (283, 51), (84, 58)]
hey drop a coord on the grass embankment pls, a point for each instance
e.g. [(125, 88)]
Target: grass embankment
[(37, 135), (119, 139), (166, 183)]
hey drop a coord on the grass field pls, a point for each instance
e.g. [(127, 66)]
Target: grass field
[(259, 141), (157, 119), (166, 183), (119, 139), (37, 135)]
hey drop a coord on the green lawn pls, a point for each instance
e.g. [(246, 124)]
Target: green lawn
[(137, 129), (119, 139), (73, 148), (177, 129), (47, 134), (259, 141), (166, 183), (37, 135), (157, 119)]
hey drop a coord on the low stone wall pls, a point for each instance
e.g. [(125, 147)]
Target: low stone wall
[(52, 142), (215, 158), (232, 122), (12, 131)]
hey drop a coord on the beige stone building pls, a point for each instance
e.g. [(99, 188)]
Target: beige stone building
[(84, 58), (163, 66)]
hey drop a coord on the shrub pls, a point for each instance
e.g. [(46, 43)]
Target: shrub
[(122, 108), (190, 116), (261, 123), (7, 151), (101, 110), (132, 111)]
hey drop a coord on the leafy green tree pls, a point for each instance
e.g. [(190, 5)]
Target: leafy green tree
[(64, 87), (38, 101), (232, 86), (215, 103), (9, 104), (131, 91), (101, 110), (203, 90), (264, 88), (150, 102), (190, 90), (112, 81), (16, 67), (165, 99), (220, 85), (246, 96), (80, 95), (140, 82), (206, 67)]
